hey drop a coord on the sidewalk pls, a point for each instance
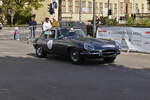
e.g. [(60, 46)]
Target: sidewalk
[(134, 60)]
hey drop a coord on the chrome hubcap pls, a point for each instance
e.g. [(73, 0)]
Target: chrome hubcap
[(39, 51), (75, 56)]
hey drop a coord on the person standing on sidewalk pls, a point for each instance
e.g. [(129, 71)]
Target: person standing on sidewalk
[(32, 25), (16, 32)]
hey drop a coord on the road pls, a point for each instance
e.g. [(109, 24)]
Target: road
[(23, 76)]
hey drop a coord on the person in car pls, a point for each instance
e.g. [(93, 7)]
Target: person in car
[(47, 27), (71, 32)]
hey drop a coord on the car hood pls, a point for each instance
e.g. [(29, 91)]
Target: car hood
[(97, 43)]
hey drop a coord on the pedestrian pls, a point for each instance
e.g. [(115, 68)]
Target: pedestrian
[(47, 27), (32, 25), (16, 32), (97, 20)]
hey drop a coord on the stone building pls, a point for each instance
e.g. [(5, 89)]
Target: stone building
[(71, 9)]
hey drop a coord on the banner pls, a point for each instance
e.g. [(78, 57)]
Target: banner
[(131, 38)]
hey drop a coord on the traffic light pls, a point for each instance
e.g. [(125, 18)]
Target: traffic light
[(109, 12), (51, 9)]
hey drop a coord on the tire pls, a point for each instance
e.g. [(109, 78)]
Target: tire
[(75, 56), (40, 52), (109, 59)]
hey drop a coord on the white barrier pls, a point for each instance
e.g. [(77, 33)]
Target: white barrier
[(131, 38)]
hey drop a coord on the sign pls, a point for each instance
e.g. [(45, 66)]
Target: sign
[(106, 11), (131, 38), (102, 31), (85, 10), (50, 44)]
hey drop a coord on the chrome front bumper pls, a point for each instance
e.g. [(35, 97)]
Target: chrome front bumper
[(101, 53)]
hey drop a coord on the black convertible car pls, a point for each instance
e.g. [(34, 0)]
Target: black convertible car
[(75, 45)]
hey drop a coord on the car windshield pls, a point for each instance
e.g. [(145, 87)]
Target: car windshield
[(70, 33)]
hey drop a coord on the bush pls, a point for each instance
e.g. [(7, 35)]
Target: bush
[(111, 22), (106, 21), (131, 22), (146, 23)]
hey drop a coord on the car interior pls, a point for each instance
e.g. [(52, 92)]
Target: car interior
[(50, 36)]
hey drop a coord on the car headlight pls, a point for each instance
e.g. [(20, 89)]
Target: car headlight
[(88, 47)]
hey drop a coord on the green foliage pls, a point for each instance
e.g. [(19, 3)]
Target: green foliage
[(22, 9), (111, 22), (146, 22), (131, 21), (106, 21)]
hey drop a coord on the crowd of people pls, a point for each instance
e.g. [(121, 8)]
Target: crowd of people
[(47, 24)]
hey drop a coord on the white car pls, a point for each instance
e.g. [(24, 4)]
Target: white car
[(1, 26)]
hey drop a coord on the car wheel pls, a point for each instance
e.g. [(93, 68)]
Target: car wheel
[(109, 59), (40, 52), (75, 56)]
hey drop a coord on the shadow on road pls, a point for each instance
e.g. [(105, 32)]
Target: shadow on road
[(61, 61)]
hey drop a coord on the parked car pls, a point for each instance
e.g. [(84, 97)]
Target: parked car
[(1, 26), (75, 45)]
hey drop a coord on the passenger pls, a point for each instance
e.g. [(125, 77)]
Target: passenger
[(71, 32), (47, 27)]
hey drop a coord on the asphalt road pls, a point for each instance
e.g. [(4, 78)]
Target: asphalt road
[(25, 77)]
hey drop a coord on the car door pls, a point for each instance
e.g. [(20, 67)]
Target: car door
[(49, 42), (61, 44)]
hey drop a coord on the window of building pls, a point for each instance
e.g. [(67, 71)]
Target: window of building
[(111, 6), (137, 8), (142, 8), (70, 6), (148, 9), (63, 6), (101, 8), (90, 6), (106, 5), (115, 9), (121, 7), (96, 6), (77, 6), (84, 6), (131, 10)]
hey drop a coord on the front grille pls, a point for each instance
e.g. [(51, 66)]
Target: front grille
[(109, 52)]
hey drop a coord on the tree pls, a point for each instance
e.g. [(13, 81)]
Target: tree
[(21, 9)]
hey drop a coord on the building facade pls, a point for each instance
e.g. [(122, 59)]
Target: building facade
[(71, 9)]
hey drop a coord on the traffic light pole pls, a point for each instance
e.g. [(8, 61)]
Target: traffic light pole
[(80, 15), (94, 19)]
